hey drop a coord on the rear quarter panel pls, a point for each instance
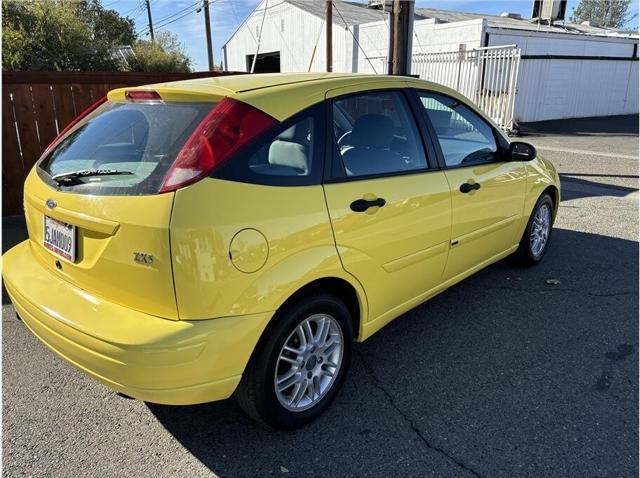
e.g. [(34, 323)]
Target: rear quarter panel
[(294, 223)]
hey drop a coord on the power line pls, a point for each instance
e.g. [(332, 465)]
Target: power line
[(161, 24), (253, 65), (176, 19), (241, 22), (269, 8), (355, 39), (178, 12), (277, 28), (313, 53), (138, 7)]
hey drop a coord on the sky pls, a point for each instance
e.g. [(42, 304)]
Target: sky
[(226, 16)]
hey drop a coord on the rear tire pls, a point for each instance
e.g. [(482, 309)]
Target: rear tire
[(300, 365), (536, 237)]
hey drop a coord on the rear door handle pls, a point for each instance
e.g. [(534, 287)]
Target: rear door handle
[(361, 205), (468, 187)]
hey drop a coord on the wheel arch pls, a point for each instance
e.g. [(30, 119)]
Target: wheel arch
[(339, 287), (352, 295), (555, 198)]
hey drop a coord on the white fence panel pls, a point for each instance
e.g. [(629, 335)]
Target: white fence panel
[(487, 76)]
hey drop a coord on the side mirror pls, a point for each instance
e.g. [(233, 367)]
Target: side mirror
[(520, 151)]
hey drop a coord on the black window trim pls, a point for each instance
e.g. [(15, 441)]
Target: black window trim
[(501, 155), (334, 168), (316, 112)]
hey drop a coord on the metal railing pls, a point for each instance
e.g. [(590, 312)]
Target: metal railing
[(487, 76)]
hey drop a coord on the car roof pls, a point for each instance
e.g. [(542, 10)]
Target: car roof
[(234, 84), (280, 95), (242, 83)]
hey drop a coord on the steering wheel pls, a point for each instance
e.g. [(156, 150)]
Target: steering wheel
[(342, 141)]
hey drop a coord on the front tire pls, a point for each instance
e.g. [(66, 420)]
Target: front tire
[(536, 237), (299, 367)]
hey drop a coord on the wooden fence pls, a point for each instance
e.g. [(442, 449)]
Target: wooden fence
[(37, 105)]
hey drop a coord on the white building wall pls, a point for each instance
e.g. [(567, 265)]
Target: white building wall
[(430, 36), (572, 88), (356, 49), (547, 89), (371, 54), (292, 32)]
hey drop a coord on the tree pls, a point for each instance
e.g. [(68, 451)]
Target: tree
[(108, 25), (50, 35), (606, 13), (163, 55), (80, 35)]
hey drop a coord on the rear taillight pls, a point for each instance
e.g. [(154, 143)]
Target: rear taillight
[(229, 127), (76, 121)]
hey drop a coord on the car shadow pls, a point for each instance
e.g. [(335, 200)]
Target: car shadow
[(492, 376), (574, 186), (621, 125), (14, 231)]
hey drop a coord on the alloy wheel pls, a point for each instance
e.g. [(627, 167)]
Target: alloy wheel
[(309, 362), (540, 229)]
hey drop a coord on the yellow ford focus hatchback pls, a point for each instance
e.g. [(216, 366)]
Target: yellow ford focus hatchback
[(235, 235)]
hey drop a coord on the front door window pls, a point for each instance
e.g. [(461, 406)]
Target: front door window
[(376, 134)]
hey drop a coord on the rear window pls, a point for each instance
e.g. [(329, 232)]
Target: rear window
[(139, 141)]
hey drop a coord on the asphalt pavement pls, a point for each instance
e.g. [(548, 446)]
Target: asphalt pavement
[(503, 375)]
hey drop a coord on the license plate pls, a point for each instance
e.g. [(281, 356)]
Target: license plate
[(60, 237)]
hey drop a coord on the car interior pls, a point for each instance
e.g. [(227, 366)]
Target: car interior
[(289, 154), (375, 135), (464, 138)]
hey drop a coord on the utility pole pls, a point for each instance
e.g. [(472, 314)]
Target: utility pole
[(150, 21), (329, 24), (207, 25), (401, 35)]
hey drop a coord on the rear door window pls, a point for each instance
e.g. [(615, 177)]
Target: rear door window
[(289, 155), (139, 141)]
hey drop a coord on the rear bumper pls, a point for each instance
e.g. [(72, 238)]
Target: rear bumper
[(140, 355)]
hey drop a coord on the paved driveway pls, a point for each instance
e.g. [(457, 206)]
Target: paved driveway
[(502, 375)]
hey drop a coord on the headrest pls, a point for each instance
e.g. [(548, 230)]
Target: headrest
[(373, 131), (289, 154)]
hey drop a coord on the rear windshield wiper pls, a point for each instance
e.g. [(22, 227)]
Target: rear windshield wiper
[(84, 173)]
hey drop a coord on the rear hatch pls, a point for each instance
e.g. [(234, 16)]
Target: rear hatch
[(95, 211)]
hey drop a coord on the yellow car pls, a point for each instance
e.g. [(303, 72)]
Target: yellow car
[(193, 240)]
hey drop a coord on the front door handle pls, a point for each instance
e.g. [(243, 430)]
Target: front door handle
[(361, 205), (468, 187)]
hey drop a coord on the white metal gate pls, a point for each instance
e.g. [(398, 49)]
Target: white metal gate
[(487, 76)]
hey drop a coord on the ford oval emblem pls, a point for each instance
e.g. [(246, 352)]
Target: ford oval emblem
[(51, 203)]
